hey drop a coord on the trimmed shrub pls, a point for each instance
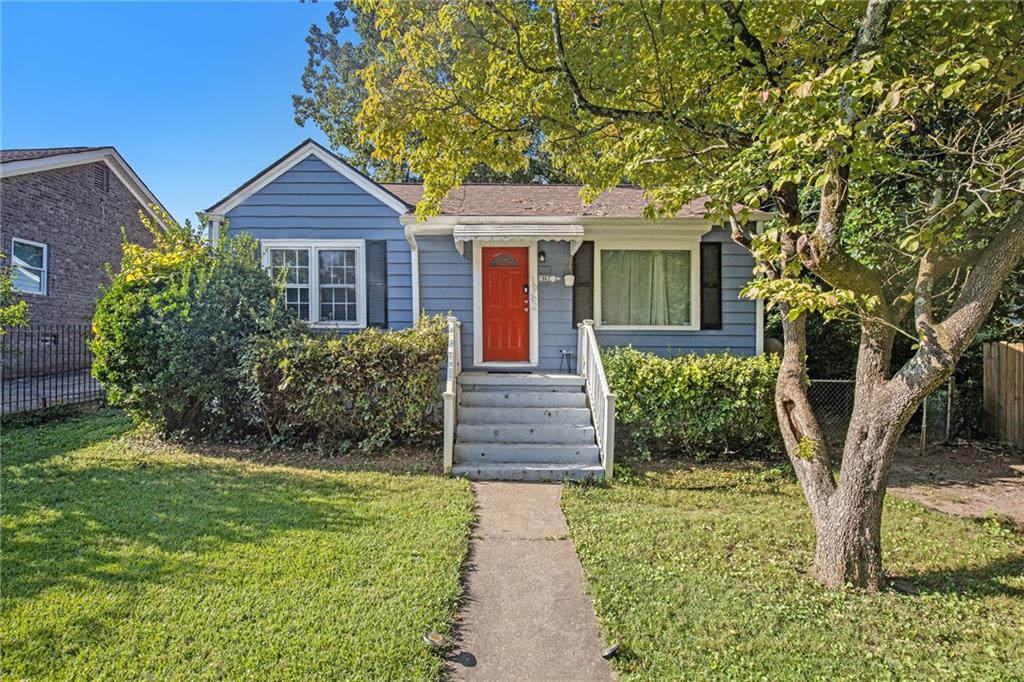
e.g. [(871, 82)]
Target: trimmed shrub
[(694, 405), (365, 389), (172, 325)]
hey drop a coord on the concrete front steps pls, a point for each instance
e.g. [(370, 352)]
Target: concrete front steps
[(524, 427)]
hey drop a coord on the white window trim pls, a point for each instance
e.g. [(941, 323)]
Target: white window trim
[(691, 245), (314, 246), (46, 266), (478, 317)]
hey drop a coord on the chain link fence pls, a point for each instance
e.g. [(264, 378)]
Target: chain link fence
[(935, 422)]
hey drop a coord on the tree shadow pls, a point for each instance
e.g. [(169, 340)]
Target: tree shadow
[(68, 526), (990, 579)]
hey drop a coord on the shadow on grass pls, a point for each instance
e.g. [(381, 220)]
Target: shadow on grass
[(990, 579), (132, 522), (401, 460)]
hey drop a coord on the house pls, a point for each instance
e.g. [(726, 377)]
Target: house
[(62, 211), (61, 216), (519, 268)]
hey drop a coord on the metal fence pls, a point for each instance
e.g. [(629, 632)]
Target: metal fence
[(933, 423), (45, 366)]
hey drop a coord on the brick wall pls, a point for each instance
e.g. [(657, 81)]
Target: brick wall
[(81, 226)]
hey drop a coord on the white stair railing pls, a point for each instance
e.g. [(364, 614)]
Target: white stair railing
[(451, 389), (602, 400)]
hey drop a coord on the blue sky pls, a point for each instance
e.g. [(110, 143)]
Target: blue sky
[(195, 96)]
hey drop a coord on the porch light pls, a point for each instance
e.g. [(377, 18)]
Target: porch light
[(541, 256)]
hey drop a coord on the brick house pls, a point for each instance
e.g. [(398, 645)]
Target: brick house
[(61, 215)]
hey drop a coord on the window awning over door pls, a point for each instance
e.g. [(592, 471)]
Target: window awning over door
[(520, 232)]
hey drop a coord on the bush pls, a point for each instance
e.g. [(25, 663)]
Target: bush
[(365, 389), (172, 325), (695, 405)]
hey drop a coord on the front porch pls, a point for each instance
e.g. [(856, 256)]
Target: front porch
[(529, 426)]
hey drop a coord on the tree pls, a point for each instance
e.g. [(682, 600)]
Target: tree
[(13, 312), (334, 94), (173, 323), (814, 108)]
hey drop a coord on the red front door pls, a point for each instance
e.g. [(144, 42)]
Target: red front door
[(506, 303)]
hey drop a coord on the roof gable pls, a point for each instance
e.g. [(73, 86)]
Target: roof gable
[(23, 161), (302, 152)]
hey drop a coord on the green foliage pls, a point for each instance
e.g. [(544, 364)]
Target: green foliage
[(172, 325), (13, 313), (695, 405), (334, 93), (129, 559), (699, 574), (738, 102), (369, 388)]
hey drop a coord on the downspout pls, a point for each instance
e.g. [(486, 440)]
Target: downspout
[(415, 253)]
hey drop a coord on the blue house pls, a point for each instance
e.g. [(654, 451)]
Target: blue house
[(535, 282)]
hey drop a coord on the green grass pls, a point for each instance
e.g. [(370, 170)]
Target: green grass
[(124, 559), (699, 575)]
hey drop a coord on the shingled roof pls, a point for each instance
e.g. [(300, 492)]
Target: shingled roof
[(29, 154), (539, 200)]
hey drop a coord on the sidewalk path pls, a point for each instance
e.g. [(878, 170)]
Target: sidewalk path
[(525, 616)]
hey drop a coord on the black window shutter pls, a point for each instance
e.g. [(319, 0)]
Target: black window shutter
[(711, 285), (377, 283), (583, 287)]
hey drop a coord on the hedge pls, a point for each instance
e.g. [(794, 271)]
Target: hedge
[(172, 323), (694, 405), (365, 389)]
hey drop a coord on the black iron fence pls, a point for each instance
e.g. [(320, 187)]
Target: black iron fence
[(46, 365)]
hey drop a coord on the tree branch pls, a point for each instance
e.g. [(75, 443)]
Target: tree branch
[(749, 40), (933, 361), (823, 253), (982, 286), (638, 115)]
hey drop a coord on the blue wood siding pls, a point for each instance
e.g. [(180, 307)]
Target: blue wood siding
[(446, 285), (313, 201)]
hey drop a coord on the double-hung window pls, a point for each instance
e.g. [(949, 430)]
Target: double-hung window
[(28, 261), (323, 280), (642, 286)]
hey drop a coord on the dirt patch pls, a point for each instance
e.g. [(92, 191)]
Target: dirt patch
[(972, 480)]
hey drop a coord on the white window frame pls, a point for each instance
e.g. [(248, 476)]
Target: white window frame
[(44, 277), (682, 244), (314, 246)]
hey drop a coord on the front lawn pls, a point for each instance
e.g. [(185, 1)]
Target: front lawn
[(698, 574), (124, 559)]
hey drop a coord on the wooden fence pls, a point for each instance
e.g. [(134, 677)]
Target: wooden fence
[(1004, 391)]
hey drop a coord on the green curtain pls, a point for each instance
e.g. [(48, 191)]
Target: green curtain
[(645, 288)]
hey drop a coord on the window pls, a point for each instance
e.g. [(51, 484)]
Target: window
[(645, 288), (29, 266), (293, 266), (337, 279), (323, 280)]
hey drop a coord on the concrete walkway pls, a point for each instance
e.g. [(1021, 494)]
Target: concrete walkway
[(525, 616)]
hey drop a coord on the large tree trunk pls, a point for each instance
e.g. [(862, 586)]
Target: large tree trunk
[(849, 542)]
